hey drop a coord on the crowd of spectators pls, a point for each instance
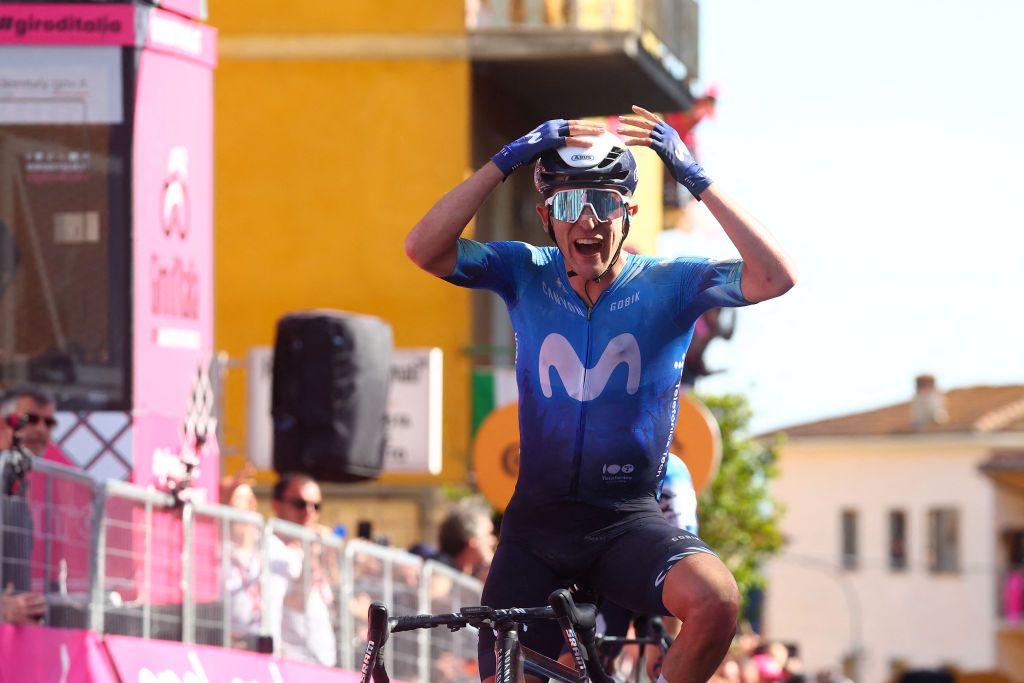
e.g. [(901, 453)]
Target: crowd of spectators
[(753, 659), (304, 608)]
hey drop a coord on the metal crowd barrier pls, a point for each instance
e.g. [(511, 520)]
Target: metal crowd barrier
[(117, 558)]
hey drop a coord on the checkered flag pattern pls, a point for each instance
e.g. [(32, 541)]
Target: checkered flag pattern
[(200, 416)]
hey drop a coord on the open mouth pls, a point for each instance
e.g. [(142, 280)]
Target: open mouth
[(588, 247)]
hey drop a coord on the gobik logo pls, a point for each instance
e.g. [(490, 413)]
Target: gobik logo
[(176, 209)]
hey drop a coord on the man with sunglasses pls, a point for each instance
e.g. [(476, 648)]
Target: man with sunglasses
[(301, 617), (34, 411), (26, 412), (601, 336)]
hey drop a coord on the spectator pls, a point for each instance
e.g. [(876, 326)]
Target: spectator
[(21, 608), (243, 581), (466, 538), (831, 675), (300, 615), (770, 660), (728, 672), (37, 410), (19, 604)]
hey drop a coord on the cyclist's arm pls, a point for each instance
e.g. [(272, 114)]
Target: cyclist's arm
[(432, 244), (767, 271)]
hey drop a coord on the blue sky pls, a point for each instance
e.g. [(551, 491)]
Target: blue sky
[(882, 143)]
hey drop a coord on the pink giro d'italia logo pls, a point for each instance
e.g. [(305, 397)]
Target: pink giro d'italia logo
[(175, 211)]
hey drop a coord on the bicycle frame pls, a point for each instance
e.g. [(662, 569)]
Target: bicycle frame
[(512, 659)]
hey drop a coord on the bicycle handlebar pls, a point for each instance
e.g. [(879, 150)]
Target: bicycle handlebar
[(471, 616), (579, 619)]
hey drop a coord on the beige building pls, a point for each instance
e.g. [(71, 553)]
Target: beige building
[(902, 525)]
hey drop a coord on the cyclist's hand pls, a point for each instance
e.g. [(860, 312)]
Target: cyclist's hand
[(548, 135), (649, 130)]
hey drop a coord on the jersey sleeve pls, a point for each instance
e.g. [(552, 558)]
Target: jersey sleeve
[(709, 284), (487, 265)]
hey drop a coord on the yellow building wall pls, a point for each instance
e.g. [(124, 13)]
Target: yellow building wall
[(338, 16), (324, 161), (649, 220)]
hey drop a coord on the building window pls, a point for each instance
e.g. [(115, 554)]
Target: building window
[(897, 539), (943, 540), (848, 522)]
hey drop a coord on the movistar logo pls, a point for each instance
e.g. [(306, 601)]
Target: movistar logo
[(556, 352)]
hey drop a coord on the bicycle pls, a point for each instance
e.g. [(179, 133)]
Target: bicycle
[(512, 659)]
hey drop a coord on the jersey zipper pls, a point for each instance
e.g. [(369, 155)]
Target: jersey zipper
[(577, 458)]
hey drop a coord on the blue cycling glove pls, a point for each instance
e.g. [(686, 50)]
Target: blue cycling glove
[(684, 168), (548, 135)]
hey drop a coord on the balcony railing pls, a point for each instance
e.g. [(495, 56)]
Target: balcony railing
[(124, 560), (668, 29)]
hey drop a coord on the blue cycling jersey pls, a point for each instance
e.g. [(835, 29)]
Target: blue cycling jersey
[(598, 387)]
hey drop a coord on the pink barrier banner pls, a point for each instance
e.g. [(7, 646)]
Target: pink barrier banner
[(37, 24), (33, 654), (157, 660)]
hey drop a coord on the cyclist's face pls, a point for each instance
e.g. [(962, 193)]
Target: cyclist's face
[(589, 242)]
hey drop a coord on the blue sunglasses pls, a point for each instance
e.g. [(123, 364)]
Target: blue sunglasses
[(567, 205)]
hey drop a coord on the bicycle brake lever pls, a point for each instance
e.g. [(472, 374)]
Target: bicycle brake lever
[(378, 630)]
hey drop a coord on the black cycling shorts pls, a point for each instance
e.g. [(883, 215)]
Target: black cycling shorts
[(621, 556)]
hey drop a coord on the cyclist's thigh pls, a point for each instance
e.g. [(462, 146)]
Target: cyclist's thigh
[(518, 579), (632, 570)]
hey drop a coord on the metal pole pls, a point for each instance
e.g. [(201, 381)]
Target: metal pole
[(98, 561), (225, 572), (347, 660), (423, 635), (4, 457), (147, 569), (188, 608), (48, 535)]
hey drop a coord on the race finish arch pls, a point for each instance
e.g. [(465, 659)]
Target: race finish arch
[(696, 440)]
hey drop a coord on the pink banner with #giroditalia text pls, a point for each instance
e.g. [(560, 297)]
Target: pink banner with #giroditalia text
[(33, 654), (39, 24)]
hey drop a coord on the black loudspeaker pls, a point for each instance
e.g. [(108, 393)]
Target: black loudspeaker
[(331, 377)]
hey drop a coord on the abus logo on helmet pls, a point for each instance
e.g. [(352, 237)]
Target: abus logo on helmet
[(582, 157)]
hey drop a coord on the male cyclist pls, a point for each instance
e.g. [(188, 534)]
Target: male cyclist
[(600, 339)]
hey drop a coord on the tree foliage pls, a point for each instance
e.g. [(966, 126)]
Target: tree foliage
[(738, 517)]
